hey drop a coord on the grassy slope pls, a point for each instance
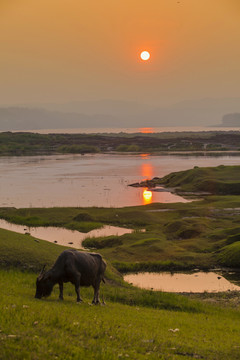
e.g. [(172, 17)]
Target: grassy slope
[(47, 329), (37, 329), (185, 236), (23, 253), (216, 180)]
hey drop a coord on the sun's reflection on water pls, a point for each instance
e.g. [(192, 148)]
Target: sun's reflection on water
[(147, 173), (147, 197)]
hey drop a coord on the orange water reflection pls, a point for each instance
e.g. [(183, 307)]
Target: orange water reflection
[(147, 171), (145, 156)]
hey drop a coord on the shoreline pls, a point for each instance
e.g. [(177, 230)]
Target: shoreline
[(177, 143)]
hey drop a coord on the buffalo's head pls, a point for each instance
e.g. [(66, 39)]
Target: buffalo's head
[(44, 284)]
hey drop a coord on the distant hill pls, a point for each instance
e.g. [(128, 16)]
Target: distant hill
[(111, 113), (202, 112), (231, 120), (18, 118)]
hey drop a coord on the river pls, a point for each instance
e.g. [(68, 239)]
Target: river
[(91, 180)]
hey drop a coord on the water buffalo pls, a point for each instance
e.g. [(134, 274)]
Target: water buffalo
[(73, 266)]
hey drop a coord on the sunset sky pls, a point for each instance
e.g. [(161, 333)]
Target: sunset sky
[(64, 50)]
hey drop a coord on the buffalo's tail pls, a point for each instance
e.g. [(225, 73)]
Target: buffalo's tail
[(103, 302)]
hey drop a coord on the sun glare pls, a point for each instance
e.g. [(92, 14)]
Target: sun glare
[(145, 55)]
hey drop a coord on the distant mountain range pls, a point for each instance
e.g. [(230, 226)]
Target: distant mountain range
[(116, 114)]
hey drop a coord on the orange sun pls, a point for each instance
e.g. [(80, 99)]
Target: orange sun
[(145, 55)]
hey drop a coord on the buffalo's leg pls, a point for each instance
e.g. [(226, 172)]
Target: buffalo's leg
[(75, 280), (61, 290), (77, 289), (96, 293)]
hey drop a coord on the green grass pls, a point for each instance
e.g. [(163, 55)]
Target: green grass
[(230, 255), (73, 218), (216, 180), (47, 329), (22, 252)]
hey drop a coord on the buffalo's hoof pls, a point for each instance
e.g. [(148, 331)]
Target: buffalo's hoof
[(96, 302)]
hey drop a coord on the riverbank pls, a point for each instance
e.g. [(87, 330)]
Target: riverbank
[(210, 142), (220, 180)]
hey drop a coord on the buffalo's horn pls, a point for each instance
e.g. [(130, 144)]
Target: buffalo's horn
[(42, 271)]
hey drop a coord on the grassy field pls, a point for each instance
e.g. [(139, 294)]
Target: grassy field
[(135, 323), (50, 329)]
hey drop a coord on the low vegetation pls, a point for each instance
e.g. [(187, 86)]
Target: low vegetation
[(22, 143), (223, 180), (175, 236)]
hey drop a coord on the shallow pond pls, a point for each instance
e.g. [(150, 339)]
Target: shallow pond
[(196, 282), (61, 236)]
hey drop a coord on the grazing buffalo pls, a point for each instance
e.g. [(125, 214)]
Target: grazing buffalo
[(79, 268)]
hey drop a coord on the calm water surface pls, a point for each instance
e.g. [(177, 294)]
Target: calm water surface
[(91, 180), (70, 238), (193, 282)]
